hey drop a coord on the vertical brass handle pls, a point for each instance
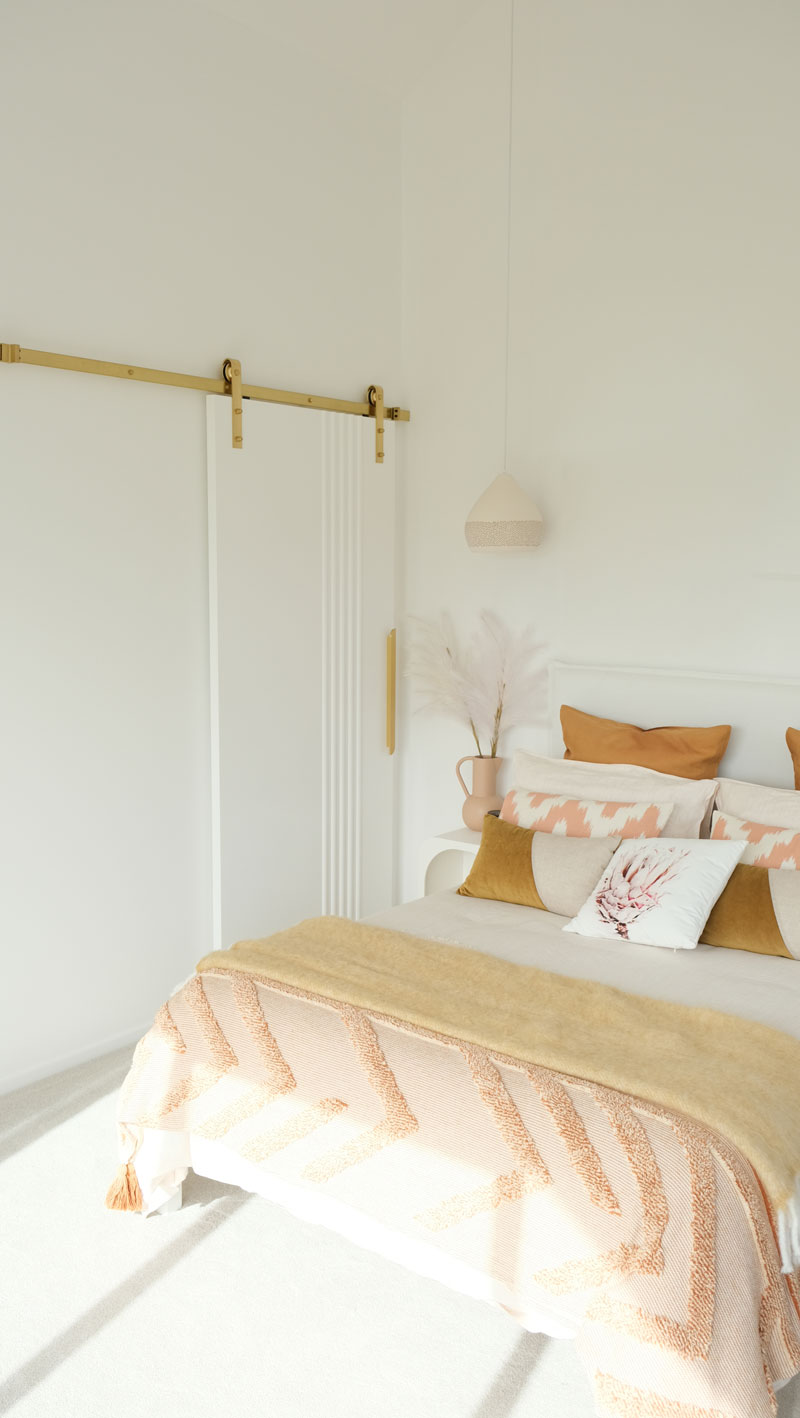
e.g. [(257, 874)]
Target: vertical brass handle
[(391, 689)]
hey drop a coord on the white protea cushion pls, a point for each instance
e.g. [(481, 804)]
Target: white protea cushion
[(658, 892)]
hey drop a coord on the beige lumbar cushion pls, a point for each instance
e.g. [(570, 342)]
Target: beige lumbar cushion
[(539, 869)]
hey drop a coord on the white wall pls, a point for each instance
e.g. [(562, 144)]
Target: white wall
[(655, 341), (175, 188)]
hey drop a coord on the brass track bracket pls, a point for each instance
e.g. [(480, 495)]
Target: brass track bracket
[(232, 374), (9, 354), (375, 397)]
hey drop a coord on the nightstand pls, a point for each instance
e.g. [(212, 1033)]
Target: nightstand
[(445, 860)]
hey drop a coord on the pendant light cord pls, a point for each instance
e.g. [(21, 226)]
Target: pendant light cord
[(508, 221)]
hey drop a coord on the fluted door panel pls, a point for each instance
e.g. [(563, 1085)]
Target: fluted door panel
[(301, 560)]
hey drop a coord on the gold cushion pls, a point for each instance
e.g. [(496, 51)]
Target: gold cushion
[(502, 870), (685, 752), (539, 869), (759, 910)]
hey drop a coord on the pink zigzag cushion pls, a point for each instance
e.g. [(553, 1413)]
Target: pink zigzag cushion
[(575, 817), (771, 847)]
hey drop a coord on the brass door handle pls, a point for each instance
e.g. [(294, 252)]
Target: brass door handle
[(391, 689)]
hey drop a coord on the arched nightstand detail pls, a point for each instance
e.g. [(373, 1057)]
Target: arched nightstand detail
[(446, 859)]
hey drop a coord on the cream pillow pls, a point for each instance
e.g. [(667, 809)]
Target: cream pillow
[(755, 802), (691, 798), (658, 892)]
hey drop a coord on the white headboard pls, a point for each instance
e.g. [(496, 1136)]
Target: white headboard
[(759, 710)]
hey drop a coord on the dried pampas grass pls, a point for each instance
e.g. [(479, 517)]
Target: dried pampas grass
[(495, 684)]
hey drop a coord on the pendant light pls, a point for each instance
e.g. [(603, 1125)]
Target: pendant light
[(505, 518)]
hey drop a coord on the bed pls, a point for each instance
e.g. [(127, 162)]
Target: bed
[(452, 1086)]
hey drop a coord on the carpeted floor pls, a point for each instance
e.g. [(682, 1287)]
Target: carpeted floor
[(229, 1307)]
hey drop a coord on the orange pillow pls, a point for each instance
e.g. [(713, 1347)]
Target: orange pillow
[(687, 753), (793, 740)]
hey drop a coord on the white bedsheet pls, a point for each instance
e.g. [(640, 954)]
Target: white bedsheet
[(764, 988)]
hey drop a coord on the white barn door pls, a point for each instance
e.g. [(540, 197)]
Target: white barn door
[(301, 594)]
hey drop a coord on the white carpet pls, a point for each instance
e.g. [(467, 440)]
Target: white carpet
[(229, 1307)]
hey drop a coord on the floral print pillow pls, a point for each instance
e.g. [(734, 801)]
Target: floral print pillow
[(658, 891)]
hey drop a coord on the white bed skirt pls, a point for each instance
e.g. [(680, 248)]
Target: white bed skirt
[(163, 1161)]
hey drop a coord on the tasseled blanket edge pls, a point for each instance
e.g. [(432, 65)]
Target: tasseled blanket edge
[(125, 1194)]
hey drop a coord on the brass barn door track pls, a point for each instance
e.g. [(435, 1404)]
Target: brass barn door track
[(230, 385)]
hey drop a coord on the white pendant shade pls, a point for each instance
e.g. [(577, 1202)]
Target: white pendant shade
[(504, 519)]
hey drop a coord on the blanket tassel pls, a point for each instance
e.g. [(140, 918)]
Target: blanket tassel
[(124, 1194)]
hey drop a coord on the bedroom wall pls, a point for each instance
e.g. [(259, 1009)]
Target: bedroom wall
[(654, 342), (175, 188), (179, 188)]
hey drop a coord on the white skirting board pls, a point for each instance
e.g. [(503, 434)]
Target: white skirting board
[(71, 1060)]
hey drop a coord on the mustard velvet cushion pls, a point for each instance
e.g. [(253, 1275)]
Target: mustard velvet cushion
[(684, 752), (759, 910), (539, 869)]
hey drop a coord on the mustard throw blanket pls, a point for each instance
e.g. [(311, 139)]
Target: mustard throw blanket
[(740, 1078)]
